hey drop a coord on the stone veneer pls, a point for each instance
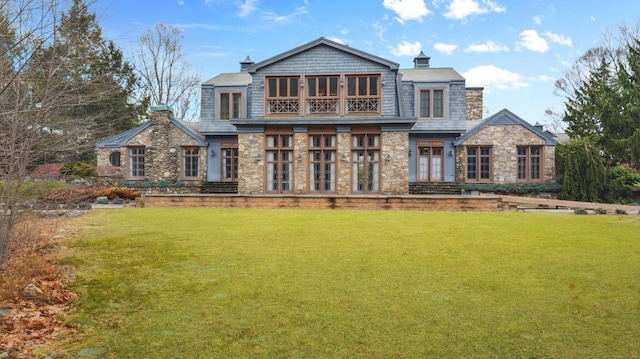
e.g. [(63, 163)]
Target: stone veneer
[(162, 142), (250, 169), (504, 140), (474, 103), (395, 172)]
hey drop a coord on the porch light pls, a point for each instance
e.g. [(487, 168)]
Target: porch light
[(410, 152), (344, 157), (299, 158), (258, 158), (388, 158), (213, 153), (450, 152)]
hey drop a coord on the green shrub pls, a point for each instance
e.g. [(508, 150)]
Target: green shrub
[(517, 188), (118, 201), (600, 211), (580, 211), (102, 200), (620, 211), (80, 169), (621, 181)]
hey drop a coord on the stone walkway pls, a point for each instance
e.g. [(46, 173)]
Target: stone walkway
[(542, 203)]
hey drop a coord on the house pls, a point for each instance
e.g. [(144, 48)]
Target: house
[(325, 118)]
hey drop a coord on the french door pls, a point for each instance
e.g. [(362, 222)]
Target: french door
[(430, 161), (279, 156), (365, 159)]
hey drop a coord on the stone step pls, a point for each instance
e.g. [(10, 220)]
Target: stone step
[(219, 187), (434, 188)]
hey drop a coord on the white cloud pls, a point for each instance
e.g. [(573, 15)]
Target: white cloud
[(538, 19), (407, 9), (445, 48), (489, 46), (336, 39), (530, 40), (271, 16), (461, 9), (544, 78), (379, 31), (558, 39), (407, 49), (247, 8), (492, 77), (180, 2)]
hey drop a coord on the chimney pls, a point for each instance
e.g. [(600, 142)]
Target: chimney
[(421, 62), (539, 126), (244, 65), (474, 103), (161, 113)]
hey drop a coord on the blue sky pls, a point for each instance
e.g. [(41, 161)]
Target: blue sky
[(514, 49)]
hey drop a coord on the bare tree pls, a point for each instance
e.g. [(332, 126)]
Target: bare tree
[(169, 79), (35, 93)]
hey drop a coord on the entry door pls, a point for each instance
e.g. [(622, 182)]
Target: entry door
[(431, 164), (279, 163)]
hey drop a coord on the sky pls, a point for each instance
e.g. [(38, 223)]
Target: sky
[(515, 49)]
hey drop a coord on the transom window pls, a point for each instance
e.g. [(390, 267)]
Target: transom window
[(322, 95), (431, 103), (363, 93), (479, 167), (136, 162), (529, 163), (229, 161), (190, 162), (322, 163), (230, 105), (282, 95)]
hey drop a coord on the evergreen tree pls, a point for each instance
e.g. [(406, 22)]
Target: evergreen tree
[(583, 170)]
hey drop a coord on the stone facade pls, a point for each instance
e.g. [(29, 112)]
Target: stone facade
[(504, 140), (395, 163), (251, 163), (474, 103)]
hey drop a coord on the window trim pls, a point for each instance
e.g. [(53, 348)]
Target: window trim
[(528, 164), (431, 103), (431, 145), (130, 162), (358, 96), (183, 162), (317, 97), (323, 148), (478, 164), (297, 99), (367, 131), (234, 161), (231, 94), (279, 132)]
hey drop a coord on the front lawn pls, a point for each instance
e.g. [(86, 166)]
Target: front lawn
[(240, 283)]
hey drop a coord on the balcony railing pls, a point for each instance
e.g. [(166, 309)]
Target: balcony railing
[(322, 106), (363, 104), (283, 107)]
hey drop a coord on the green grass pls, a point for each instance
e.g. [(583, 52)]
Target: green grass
[(213, 283)]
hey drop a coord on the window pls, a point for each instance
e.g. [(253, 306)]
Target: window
[(279, 153), (363, 94), (114, 158), (322, 95), (136, 162), (431, 161), (282, 95), (431, 103), (190, 162), (479, 166), (322, 163), (529, 163), (365, 159), (229, 161), (230, 105)]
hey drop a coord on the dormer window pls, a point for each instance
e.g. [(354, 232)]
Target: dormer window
[(431, 103), (230, 105), (322, 95), (283, 97), (363, 94)]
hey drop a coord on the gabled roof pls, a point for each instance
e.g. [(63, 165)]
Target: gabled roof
[(121, 139), (433, 74), (323, 41), (230, 79), (505, 117)]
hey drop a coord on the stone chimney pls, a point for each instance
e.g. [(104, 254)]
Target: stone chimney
[(474, 103), (244, 65), (421, 62), (161, 157)]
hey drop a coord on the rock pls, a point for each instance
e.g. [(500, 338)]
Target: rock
[(32, 292), (4, 311)]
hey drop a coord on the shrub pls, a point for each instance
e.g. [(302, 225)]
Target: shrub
[(600, 211), (621, 182), (620, 211), (102, 200), (118, 201), (80, 169), (68, 195), (117, 192), (518, 188), (580, 211)]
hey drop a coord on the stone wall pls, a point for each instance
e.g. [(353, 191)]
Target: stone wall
[(474, 103), (504, 140), (250, 169), (395, 171)]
